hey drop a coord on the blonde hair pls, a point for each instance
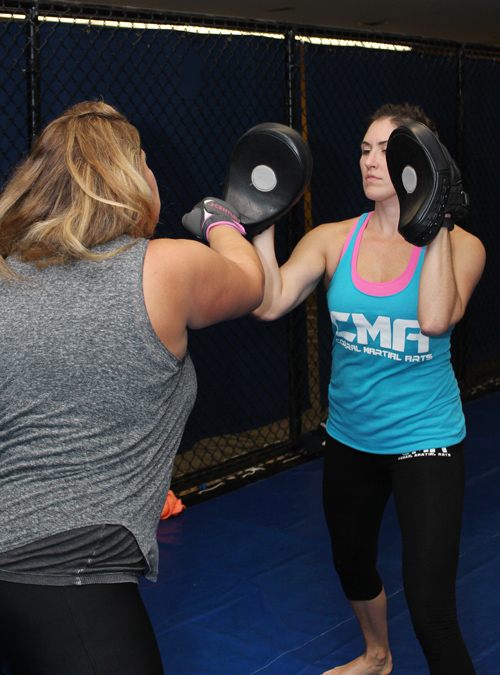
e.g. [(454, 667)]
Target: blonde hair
[(81, 185)]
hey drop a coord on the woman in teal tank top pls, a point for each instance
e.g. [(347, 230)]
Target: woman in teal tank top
[(395, 420)]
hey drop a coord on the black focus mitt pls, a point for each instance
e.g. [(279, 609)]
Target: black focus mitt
[(427, 181), (269, 170)]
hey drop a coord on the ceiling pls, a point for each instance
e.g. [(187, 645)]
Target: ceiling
[(475, 21)]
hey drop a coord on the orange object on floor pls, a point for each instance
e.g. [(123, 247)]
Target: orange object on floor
[(173, 506)]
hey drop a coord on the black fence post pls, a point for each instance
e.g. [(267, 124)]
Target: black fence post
[(33, 74), (460, 361), (295, 318)]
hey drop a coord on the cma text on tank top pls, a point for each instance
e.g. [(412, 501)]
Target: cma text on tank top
[(392, 389)]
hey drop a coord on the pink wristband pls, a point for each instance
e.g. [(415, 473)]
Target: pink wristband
[(231, 223)]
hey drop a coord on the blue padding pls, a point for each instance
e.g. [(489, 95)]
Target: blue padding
[(246, 584)]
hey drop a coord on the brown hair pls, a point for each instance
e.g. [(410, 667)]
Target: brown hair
[(81, 185), (402, 113)]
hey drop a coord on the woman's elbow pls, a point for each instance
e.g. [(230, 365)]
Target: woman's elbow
[(261, 315), (256, 293), (266, 312), (433, 330), (436, 321), (437, 326), (256, 304)]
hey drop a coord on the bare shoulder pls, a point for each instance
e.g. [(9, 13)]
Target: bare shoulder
[(333, 237), (462, 236), (467, 244), (469, 256), (168, 257), (166, 248), (337, 230), (328, 235)]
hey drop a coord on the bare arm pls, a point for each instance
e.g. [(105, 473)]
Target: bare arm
[(287, 286), (189, 285), (453, 265), (228, 279)]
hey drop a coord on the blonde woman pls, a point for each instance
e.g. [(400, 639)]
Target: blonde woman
[(96, 385)]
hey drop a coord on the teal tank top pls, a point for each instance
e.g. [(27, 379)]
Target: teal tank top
[(392, 390)]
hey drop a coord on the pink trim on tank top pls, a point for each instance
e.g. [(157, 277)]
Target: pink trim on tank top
[(382, 288), (349, 236)]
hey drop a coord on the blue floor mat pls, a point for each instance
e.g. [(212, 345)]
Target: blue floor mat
[(246, 584)]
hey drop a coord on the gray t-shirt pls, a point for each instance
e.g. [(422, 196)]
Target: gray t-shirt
[(92, 405)]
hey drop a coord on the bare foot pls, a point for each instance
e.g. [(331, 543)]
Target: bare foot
[(364, 665)]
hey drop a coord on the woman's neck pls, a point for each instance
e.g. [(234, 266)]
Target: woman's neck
[(385, 218)]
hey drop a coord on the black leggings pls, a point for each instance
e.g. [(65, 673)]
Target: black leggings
[(428, 491), (76, 630)]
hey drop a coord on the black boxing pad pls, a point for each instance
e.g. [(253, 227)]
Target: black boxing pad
[(427, 182), (269, 170)]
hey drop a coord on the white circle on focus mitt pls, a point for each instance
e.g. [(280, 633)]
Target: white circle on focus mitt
[(409, 178), (264, 178)]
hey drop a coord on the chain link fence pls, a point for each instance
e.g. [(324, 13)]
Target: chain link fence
[(193, 86)]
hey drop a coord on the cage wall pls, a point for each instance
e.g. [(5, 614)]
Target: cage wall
[(192, 87)]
